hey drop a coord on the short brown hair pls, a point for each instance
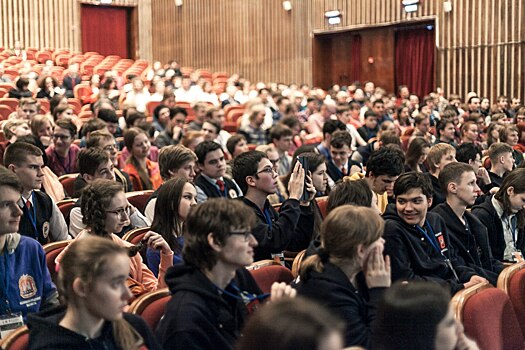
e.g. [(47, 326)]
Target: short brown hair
[(173, 158), (16, 153), (497, 149), (217, 216)]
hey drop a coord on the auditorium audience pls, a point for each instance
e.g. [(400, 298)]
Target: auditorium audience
[(280, 120)]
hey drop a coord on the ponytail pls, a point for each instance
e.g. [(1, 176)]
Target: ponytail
[(126, 337)]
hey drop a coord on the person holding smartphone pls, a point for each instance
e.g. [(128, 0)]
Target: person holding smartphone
[(255, 175)]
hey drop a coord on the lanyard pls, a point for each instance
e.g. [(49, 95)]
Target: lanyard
[(431, 237), (268, 217), (31, 216), (243, 295), (511, 224), (5, 283)]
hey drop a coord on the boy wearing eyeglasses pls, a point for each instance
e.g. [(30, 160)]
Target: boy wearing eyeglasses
[(62, 154), (211, 290), (41, 219), (291, 228)]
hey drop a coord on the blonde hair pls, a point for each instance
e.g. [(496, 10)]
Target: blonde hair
[(343, 230), (87, 259), (437, 152), (12, 124)]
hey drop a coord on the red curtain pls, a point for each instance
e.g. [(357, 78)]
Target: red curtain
[(105, 30), (414, 59), (355, 58)]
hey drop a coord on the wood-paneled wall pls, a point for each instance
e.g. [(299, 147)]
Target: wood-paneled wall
[(480, 44), (49, 23), (255, 38)]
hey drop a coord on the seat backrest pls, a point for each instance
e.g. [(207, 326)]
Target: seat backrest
[(52, 250), (495, 327), (65, 206), (322, 202), (68, 182), (135, 236), (18, 340), (512, 281), (139, 199), (266, 276), (151, 306)]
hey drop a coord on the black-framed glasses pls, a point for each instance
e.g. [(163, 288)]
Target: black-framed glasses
[(120, 212), (267, 169), (60, 136), (246, 234)]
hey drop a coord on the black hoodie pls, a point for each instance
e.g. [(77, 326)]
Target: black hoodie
[(46, 333), (471, 242), (486, 213), (199, 315), (414, 258)]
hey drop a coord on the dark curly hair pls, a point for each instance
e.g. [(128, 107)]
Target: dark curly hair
[(94, 201)]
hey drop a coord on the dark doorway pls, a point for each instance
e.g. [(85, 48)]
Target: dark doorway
[(414, 57), (107, 30), (342, 58)]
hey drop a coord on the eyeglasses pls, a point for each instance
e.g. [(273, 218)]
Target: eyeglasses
[(62, 137), (246, 234), (120, 212), (268, 170)]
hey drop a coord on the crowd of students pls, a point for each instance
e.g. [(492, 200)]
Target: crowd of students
[(424, 199)]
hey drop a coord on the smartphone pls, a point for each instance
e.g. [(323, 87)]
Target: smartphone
[(304, 163)]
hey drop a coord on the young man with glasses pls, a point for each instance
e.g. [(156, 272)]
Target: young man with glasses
[(93, 164), (41, 219), (62, 154), (291, 228), (212, 291)]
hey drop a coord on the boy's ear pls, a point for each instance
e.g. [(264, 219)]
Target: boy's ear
[(250, 181)]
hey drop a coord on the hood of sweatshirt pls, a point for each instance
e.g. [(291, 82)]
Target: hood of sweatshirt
[(46, 333)]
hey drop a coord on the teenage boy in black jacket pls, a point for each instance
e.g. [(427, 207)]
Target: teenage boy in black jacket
[(417, 242), (291, 228), (467, 234)]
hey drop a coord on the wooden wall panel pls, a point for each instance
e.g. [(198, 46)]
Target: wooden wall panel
[(56, 23), (255, 38)]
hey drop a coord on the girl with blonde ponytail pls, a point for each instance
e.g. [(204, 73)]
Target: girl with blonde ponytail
[(349, 273), (92, 283)]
